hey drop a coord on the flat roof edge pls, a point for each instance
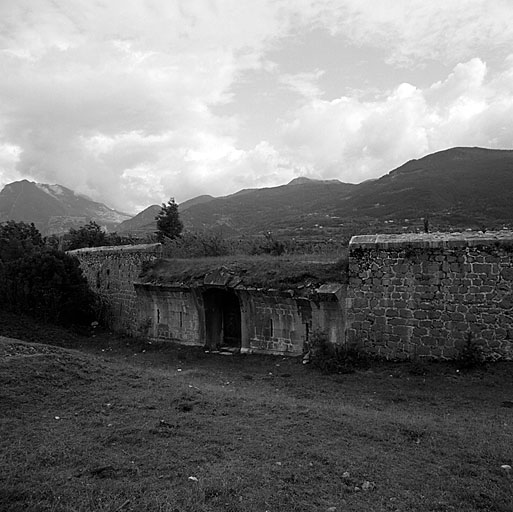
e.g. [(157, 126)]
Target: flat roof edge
[(431, 240)]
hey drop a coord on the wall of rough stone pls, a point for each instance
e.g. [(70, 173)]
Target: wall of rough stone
[(426, 295), (111, 272)]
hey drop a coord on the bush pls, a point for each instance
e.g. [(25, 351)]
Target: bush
[(196, 245), (47, 285), (41, 281), (471, 355), (268, 246), (332, 358)]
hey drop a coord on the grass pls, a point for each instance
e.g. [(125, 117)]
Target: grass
[(278, 272), (113, 424)]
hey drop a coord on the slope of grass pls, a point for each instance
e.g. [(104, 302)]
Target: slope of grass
[(126, 425)]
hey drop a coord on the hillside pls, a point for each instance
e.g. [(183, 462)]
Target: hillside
[(300, 203), (470, 186), (53, 208), (142, 224), (457, 188)]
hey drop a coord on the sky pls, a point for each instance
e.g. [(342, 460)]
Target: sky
[(135, 102)]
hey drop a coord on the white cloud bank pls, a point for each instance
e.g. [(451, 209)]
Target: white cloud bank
[(118, 99), (355, 140)]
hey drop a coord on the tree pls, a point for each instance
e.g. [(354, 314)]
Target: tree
[(40, 281), (18, 239), (168, 220), (90, 235)]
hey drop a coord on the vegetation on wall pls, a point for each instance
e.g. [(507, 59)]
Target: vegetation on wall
[(197, 245), (39, 280), (281, 273)]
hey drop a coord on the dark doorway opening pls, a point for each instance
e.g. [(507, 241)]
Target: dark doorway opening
[(222, 319)]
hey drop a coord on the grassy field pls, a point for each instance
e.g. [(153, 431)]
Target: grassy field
[(110, 424)]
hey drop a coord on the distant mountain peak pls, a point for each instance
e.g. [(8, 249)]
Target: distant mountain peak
[(53, 208)]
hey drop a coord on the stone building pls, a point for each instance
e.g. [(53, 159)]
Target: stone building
[(214, 308), (404, 296)]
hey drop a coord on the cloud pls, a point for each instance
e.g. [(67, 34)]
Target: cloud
[(411, 32), (98, 97), (304, 84), (353, 140), (129, 102)]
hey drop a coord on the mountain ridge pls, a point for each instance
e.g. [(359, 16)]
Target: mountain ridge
[(53, 208), (456, 188)]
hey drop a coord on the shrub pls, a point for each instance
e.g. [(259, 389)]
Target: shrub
[(332, 358), (196, 245), (48, 285), (39, 280), (471, 355), (269, 245)]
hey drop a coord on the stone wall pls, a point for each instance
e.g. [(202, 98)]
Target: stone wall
[(409, 296), (271, 322), (170, 314), (111, 272), (279, 323), (275, 323), (426, 295)]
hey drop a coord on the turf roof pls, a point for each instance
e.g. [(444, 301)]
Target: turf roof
[(262, 272)]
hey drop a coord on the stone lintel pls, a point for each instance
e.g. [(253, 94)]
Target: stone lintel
[(323, 293)]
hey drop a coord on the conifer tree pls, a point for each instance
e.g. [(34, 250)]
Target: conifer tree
[(168, 220)]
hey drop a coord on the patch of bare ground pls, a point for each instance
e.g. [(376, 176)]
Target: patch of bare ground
[(112, 424)]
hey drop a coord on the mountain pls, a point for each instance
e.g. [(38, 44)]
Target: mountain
[(458, 188), (142, 224), (277, 209), (53, 208), (195, 201)]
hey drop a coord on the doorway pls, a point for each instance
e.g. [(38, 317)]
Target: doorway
[(222, 319)]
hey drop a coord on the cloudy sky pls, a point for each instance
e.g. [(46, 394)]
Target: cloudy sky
[(135, 101)]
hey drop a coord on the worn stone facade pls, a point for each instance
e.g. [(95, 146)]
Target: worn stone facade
[(168, 313), (427, 295), (111, 273), (408, 296), (270, 322)]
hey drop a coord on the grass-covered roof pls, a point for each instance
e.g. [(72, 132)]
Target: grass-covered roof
[(262, 272)]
